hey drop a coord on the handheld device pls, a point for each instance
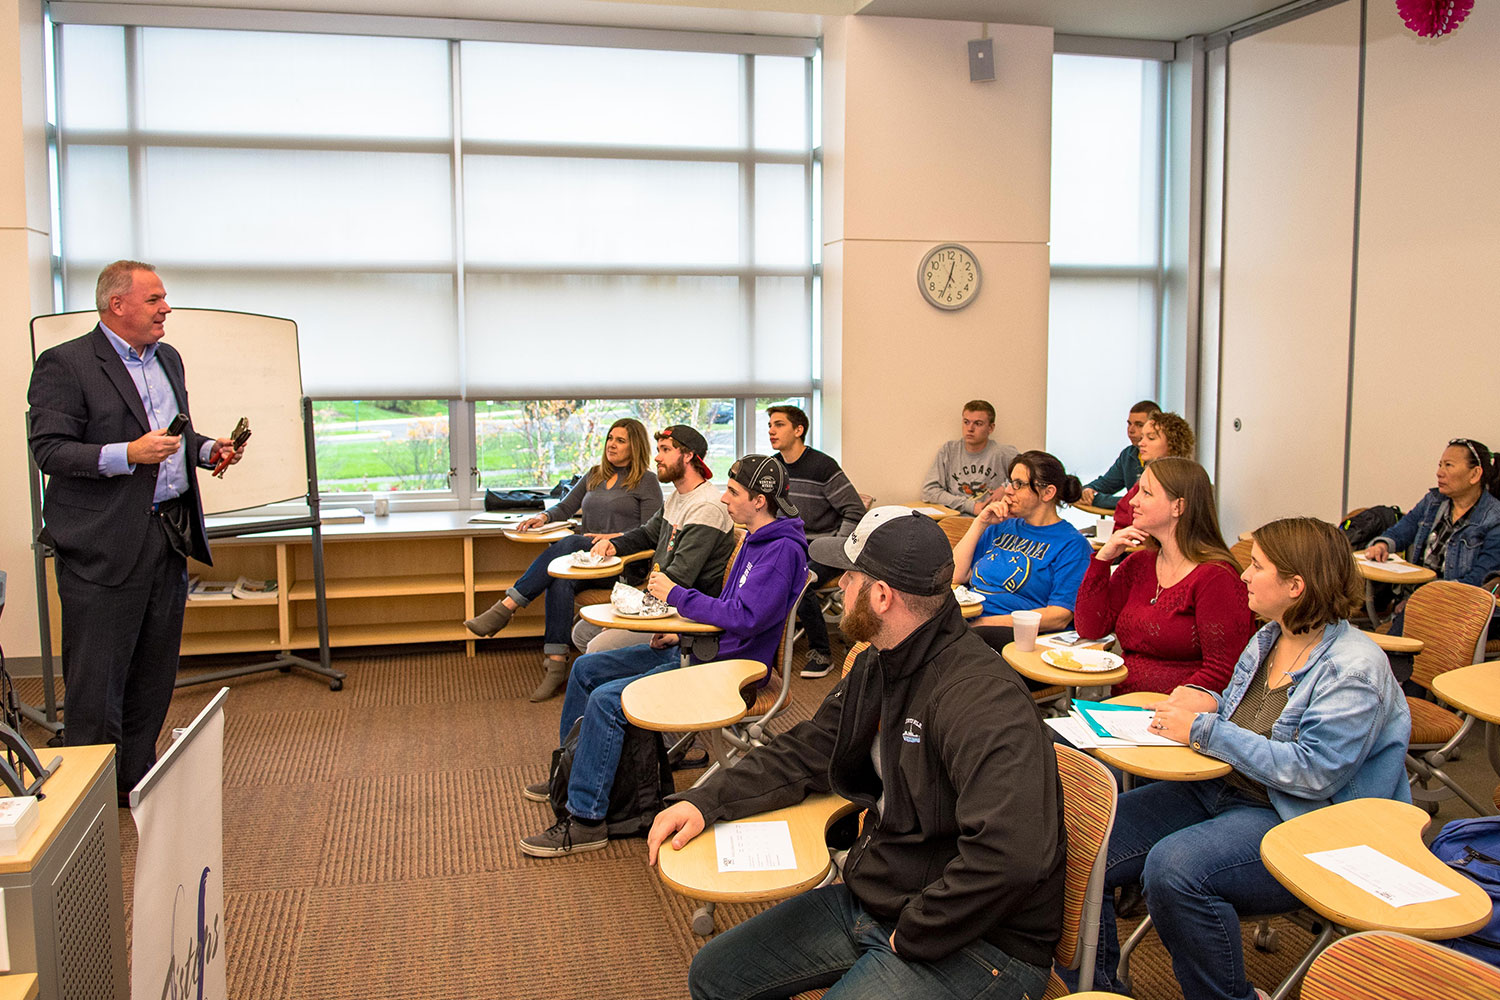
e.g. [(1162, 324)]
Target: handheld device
[(178, 425)]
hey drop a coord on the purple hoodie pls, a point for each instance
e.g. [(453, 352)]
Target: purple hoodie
[(765, 579)]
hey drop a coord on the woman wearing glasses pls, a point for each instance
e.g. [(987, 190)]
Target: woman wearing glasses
[(1455, 529), (1019, 555)]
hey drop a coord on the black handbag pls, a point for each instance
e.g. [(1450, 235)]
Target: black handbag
[(514, 499)]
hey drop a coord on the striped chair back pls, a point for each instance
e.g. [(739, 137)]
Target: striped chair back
[(1449, 617), (1381, 965)]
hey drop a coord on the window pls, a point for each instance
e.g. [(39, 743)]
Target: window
[(451, 220), (1106, 290)]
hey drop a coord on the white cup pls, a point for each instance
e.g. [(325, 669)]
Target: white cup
[(1104, 529), (1026, 624), (382, 505)]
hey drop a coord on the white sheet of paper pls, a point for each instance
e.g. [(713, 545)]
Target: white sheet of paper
[(1381, 876), (1132, 727), (929, 511), (756, 846), (1071, 639), (1394, 564)]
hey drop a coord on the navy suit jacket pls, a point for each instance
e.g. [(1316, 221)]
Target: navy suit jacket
[(82, 398)]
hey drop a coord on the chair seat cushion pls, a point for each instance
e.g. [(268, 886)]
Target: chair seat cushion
[(1431, 724)]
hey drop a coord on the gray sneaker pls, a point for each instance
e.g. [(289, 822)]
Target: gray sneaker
[(569, 835), (539, 792), (817, 665)]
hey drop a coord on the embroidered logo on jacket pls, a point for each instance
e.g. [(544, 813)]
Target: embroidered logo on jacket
[(913, 731), (746, 575)]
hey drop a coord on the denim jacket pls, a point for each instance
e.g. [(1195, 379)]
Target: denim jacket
[(1473, 550), (1343, 735)]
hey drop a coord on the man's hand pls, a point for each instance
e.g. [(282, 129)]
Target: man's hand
[(225, 447), (661, 640), (1087, 496), (659, 584), (152, 447), (681, 818), (603, 548), (1379, 552)]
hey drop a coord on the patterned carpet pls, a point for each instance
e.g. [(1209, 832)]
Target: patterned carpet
[(370, 845)]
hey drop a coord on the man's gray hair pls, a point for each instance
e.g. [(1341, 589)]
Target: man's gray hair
[(116, 279)]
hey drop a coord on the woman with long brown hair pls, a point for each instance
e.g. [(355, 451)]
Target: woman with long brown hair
[(616, 495), (1178, 605)]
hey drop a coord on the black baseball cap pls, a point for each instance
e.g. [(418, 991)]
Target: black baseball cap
[(767, 476), (895, 544), (689, 440)]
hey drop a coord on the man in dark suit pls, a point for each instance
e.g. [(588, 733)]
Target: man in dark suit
[(122, 512)]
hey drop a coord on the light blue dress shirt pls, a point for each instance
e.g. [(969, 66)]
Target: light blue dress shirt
[(160, 402)]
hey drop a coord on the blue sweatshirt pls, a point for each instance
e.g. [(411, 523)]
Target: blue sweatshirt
[(765, 579), (1020, 567)]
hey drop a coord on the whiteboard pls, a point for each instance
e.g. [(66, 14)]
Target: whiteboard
[(238, 365)]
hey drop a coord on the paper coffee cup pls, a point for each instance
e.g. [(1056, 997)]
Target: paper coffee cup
[(1026, 624), (382, 505), (1104, 528)]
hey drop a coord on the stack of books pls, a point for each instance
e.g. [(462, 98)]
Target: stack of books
[(228, 590)]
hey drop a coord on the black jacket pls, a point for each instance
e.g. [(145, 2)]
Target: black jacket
[(970, 842), (82, 398)]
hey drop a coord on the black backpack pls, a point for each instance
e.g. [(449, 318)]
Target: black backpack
[(1368, 525), (642, 779)]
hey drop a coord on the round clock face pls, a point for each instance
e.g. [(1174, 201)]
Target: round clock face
[(949, 276)]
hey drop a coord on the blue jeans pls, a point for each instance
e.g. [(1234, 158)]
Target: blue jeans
[(560, 593), (594, 688), (1195, 847), (825, 938)]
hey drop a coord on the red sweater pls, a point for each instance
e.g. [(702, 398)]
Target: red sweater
[(1125, 514), (1193, 634)]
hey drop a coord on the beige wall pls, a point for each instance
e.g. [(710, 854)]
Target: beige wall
[(1288, 245), (1427, 355), (24, 261), (917, 155)]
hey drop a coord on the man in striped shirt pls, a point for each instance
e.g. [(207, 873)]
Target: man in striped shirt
[(830, 506)]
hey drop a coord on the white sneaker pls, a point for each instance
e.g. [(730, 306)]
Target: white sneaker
[(817, 665)]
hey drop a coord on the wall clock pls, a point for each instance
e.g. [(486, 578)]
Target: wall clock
[(949, 276)]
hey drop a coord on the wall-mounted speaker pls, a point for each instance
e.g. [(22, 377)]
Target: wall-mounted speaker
[(981, 59)]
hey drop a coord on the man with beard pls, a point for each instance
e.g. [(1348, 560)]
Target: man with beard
[(692, 533), (955, 885)]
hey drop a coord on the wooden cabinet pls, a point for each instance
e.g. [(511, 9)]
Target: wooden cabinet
[(409, 577)]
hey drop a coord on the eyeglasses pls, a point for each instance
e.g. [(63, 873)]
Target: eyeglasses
[(1466, 443), (1019, 484)]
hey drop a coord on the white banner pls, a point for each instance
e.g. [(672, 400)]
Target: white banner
[(177, 941)]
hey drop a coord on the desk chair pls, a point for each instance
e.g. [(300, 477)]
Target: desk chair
[(1382, 965), (1241, 552), (1451, 620), (955, 528), (771, 699)]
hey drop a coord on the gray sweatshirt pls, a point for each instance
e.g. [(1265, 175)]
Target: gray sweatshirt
[(957, 478)]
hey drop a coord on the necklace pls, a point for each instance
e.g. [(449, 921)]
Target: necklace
[(1158, 592)]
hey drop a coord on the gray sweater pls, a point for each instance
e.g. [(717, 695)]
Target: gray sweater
[(957, 478), (610, 509)]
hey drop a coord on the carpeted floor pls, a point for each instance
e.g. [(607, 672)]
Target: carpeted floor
[(370, 845)]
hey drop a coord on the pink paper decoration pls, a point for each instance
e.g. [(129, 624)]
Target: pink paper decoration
[(1429, 18)]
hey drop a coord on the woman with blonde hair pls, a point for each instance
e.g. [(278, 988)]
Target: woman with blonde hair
[(1166, 435), (616, 495), (1177, 605), (1311, 717)]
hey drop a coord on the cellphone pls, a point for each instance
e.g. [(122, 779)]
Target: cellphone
[(178, 425)]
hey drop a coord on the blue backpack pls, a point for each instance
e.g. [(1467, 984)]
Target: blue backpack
[(1472, 846)]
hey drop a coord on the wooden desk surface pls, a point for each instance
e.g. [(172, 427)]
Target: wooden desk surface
[(1032, 665), (1089, 508), (1395, 830), (1396, 643), (1162, 763), (703, 696), (80, 767), (563, 568), (604, 616), (1475, 689), (547, 537), (936, 511), (1378, 574), (20, 986), (694, 870)]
